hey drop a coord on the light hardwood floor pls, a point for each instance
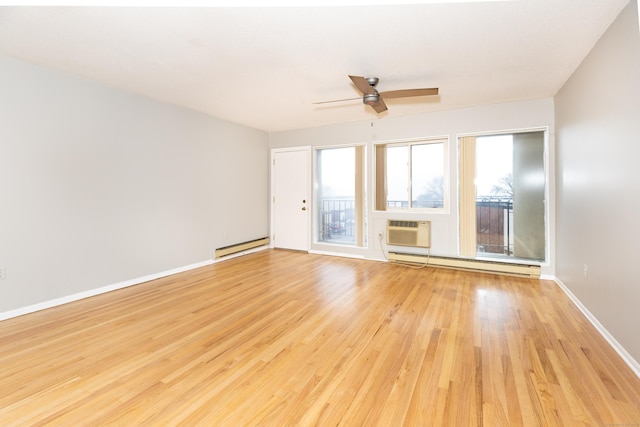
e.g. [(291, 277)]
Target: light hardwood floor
[(281, 338)]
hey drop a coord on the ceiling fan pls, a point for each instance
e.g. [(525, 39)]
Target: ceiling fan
[(373, 98)]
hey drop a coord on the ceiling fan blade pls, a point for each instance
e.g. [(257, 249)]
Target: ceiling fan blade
[(409, 92), (379, 106), (362, 84), (337, 100)]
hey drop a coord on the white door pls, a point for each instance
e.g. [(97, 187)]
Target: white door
[(290, 176)]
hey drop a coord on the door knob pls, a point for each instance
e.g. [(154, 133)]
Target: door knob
[(304, 208)]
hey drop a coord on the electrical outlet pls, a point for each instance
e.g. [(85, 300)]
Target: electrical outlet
[(3, 273), (585, 272)]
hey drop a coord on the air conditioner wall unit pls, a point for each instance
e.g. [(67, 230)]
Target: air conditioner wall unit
[(409, 233)]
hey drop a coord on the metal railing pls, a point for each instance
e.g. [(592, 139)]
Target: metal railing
[(494, 225), (337, 221)]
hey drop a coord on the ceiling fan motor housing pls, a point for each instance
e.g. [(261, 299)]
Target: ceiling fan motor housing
[(371, 98)]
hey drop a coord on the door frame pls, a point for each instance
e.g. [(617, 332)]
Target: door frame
[(274, 151), (549, 192)]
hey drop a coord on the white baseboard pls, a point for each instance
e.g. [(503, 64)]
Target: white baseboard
[(102, 290), (628, 359), (337, 254)]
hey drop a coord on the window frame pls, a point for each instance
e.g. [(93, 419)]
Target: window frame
[(360, 196), (380, 181), (467, 243)]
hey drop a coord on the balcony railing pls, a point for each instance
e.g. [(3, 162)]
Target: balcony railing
[(337, 220), (494, 225)]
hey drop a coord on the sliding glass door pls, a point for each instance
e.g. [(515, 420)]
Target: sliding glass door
[(502, 197)]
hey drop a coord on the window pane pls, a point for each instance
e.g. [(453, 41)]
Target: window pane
[(494, 194), (397, 176), (494, 166), (411, 175), (427, 175), (528, 195), (336, 195)]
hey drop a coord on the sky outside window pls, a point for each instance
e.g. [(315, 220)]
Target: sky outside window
[(494, 160)]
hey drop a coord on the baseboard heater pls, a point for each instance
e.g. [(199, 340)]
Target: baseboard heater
[(240, 247), (486, 266)]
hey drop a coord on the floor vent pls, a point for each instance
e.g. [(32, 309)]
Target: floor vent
[(239, 247), (486, 266)]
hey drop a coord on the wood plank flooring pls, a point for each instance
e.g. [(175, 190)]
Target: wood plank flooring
[(280, 338)]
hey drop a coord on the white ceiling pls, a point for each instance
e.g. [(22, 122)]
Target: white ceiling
[(264, 67)]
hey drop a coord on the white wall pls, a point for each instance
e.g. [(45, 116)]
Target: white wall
[(444, 227), (99, 186), (598, 181)]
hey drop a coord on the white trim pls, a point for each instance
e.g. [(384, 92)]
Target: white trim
[(115, 286), (338, 254), (544, 128), (412, 140), (626, 357)]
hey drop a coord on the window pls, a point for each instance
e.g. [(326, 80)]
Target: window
[(412, 175), (340, 215), (502, 195)]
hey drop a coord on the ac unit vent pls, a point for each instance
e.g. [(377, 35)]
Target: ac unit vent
[(403, 224), (409, 233)]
